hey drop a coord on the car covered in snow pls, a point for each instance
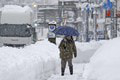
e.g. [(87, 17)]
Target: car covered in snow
[(16, 25)]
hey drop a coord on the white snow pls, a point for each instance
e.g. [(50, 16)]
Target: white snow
[(34, 62), (13, 14), (105, 64), (77, 75), (41, 60), (86, 50)]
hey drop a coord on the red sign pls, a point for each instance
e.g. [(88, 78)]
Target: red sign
[(108, 13)]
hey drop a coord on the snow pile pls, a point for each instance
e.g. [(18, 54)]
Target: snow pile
[(34, 62), (105, 64), (13, 8), (86, 50), (13, 14)]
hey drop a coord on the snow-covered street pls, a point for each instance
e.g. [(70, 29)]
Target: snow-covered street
[(41, 61), (78, 72), (59, 39)]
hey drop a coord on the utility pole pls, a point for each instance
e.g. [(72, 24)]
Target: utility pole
[(87, 23), (85, 17), (112, 23), (86, 27), (94, 23), (62, 14), (116, 19)]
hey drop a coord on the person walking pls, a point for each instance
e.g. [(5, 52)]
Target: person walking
[(67, 50)]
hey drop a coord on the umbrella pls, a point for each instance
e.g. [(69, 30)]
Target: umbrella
[(66, 30)]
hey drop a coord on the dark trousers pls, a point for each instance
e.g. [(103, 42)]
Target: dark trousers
[(63, 66)]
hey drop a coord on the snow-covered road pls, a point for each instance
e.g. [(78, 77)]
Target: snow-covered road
[(40, 61), (78, 72)]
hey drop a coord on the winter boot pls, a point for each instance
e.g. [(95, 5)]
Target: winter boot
[(71, 70), (62, 71)]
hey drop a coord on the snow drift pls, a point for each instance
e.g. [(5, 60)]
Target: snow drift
[(86, 50), (105, 64), (34, 62)]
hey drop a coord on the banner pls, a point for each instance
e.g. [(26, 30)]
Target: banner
[(108, 13)]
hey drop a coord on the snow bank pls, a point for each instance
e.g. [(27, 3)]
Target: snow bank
[(34, 62), (105, 64), (86, 50)]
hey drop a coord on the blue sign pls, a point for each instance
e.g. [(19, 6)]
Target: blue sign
[(52, 28), (87, 8), (108, 5)]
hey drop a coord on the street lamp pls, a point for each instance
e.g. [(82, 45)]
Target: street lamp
[(34, 5)]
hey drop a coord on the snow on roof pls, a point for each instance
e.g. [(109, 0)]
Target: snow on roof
[(27, 8), (13, 14), (15, 8)]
